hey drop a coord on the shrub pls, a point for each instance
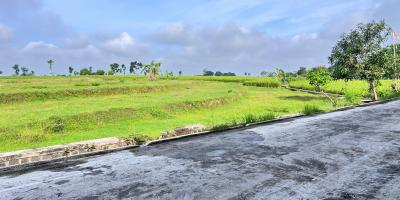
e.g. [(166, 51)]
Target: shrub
[(95, 84), (136, 139), (311, 109), (54, 124)]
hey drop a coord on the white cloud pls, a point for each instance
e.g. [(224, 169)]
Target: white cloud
[(39, 45), (122, 43)]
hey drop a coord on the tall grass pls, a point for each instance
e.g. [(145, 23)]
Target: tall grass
[(245, 80), (352, 89)]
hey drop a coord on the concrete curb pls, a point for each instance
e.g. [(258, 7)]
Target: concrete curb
[(36, 164)]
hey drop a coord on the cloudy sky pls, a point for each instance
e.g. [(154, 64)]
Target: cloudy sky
[(226, 35)]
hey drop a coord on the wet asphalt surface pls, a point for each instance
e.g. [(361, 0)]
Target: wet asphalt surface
[(353, 154)]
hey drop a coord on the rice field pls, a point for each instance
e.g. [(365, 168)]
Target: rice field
[(42, 111)]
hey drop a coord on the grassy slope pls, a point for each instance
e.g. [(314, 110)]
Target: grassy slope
[(148, 113)]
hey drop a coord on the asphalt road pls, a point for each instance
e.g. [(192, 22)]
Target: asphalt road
[(353, 154)]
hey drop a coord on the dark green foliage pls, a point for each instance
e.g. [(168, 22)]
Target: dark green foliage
[(302, 71), (114, 68), (16, 69), (208, 73), (135, 65), (318, 77), (360, 54), (85, 71), (100, 72)]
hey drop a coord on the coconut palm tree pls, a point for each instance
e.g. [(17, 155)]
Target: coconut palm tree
[(152, 70), (51, 66)]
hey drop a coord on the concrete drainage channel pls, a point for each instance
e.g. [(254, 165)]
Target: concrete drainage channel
[(32, 158)]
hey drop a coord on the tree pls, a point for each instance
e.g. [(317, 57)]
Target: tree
[(229, 74), (392, 68), (245, 73), (302, 71), (264, 73), (169, 73), (319, 77), (208, 73), (114, 68), (152, 70), (84, 71), (218, 73), (16, 69), (25, 71), (1, 72), (100, 72), (91, 71), (32, 73), (110, 72), (70, 70), (359, 54), (123, 68), (180, 72), (281, 76), (51, 66), (135, 65)]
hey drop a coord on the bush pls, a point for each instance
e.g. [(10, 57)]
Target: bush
[(85, 71), (100, 72), (311, 109), (95, 84), (54, 124), (136, 139)]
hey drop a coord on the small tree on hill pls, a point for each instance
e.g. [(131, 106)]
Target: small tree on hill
[(85, 71), (302, 71), (51, 66), (282, 77), (114, 68), (180, 72), (25, 71), (70, 70), (123, 68), (319, 77), (135, 65), (359, 54), (208, 73), (16, 69), (152, 70)]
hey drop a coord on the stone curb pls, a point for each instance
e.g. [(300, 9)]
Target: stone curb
[(57, 158)]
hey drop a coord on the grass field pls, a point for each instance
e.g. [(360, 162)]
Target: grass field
[(43, 111), (353, 88)]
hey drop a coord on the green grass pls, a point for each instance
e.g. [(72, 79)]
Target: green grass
[(216, 104), (352, 89)]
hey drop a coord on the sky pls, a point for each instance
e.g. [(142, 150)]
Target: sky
[(187, 35)]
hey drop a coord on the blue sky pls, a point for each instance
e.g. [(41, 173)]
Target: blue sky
[(227, 35)]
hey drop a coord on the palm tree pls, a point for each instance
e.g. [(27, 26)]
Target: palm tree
[(51, 66), (152, 70)]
